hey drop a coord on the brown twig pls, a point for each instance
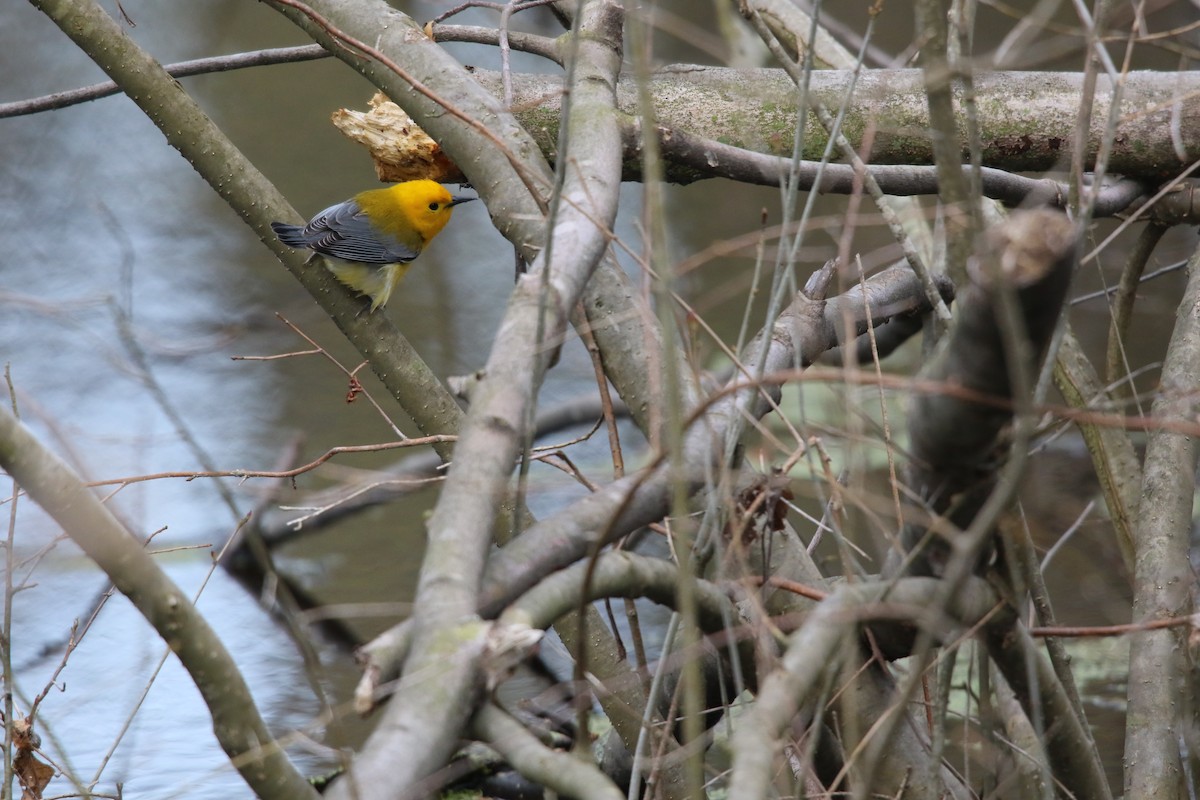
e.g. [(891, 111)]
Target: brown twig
[(1116, 630), (355, 386), (795, 587), (287, 473), (606, 404)]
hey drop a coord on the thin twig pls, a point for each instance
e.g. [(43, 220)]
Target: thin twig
[(167, 651), (287, 473), (1117, 630), (355, 386), (1149, 276), (6, 644), (461, 7), (181, 69)]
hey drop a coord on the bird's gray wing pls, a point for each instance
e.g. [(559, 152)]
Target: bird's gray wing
[(343, 231)]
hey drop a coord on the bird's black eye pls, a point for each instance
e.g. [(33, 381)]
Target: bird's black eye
[(433, 206)]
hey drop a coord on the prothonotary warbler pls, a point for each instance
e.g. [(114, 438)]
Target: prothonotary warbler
[(372, 236)]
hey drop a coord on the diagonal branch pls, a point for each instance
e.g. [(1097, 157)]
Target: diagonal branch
[(445, 657), (236, 722), (198, 139), (1160, 699), (957, 444)]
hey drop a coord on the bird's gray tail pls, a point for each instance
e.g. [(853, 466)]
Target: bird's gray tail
[(291, 235)]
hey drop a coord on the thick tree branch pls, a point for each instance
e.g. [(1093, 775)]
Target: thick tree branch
[(631, 346), (616, 574), (808, 328), (560, 772), (689, 156), (1113, 456), (957, 445), (1027, 119), (818, 647), (190, 131), (960, 212), (389, 49), (239, 728), (1072, 755), (1160, 697), (696, 158), (418, 724)]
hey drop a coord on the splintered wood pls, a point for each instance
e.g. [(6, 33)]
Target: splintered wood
[(400, 149)]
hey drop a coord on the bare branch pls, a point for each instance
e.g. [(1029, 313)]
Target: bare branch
[(236, 721), (1113, 456), (803, 332), (461, 525), (696, 158), (189, 130), (956, 446), (1027, 119), (1073, 758), (817, 648), (181, 69), (1160, 697), (560, 772), (525, 42)]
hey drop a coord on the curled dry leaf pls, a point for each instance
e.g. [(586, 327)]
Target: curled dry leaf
[(400, 149), (33, 774)]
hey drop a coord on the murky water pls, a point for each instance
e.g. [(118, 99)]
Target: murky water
[(112, 251)]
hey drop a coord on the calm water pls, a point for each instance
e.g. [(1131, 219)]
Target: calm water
[(101, 221)]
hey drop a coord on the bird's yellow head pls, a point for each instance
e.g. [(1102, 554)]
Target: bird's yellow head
[(414, 211)]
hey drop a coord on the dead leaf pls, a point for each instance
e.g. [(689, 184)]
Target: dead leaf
[(33, 774)]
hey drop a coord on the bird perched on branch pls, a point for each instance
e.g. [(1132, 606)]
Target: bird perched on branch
[(372, 236)]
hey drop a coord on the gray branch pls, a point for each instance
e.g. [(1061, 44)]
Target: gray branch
[(957, 436), (1160, 699), (236, 722), (1027, 119), (419, 721), (182, 69), (560, 772)]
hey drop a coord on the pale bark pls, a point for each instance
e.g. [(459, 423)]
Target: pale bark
[(1027, 119), (1160, 698), (236, 722)]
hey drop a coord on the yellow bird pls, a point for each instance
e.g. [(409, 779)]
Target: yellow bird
[(372, 236)]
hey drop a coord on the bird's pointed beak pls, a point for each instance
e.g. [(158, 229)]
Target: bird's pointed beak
[(458, 198)]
